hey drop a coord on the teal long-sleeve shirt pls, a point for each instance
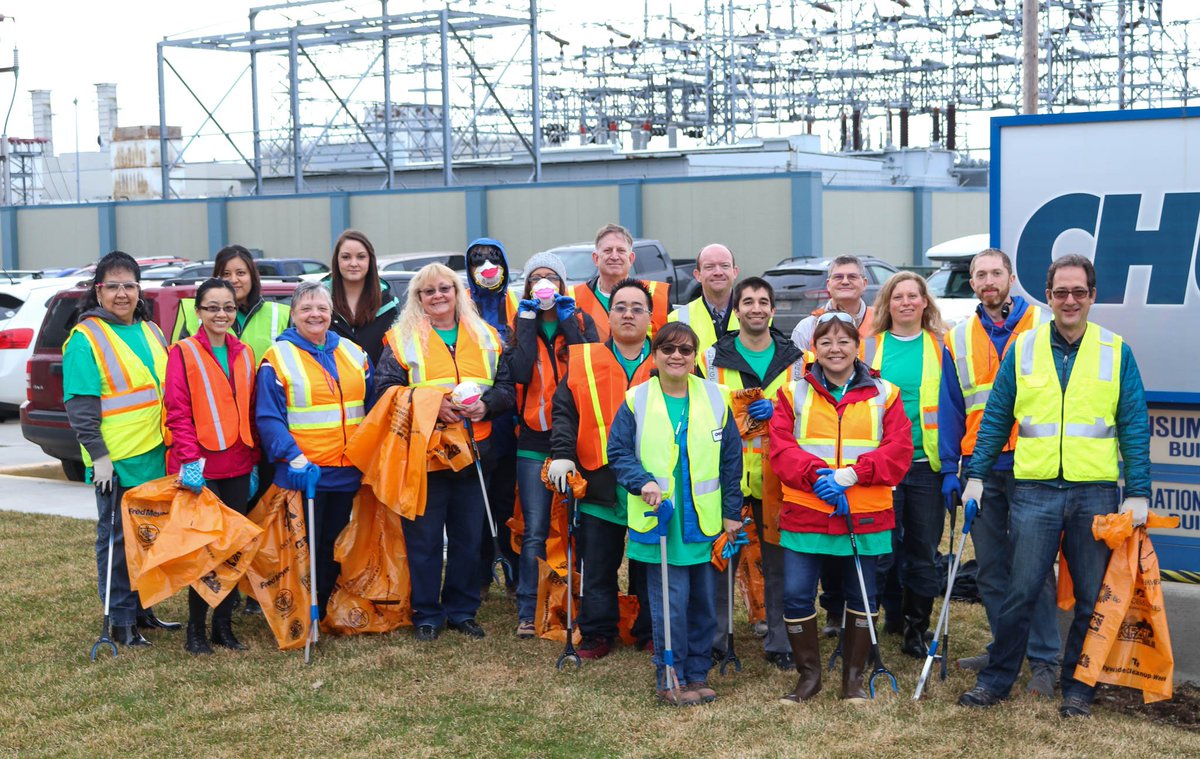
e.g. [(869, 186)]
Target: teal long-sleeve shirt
[(1133, 421)]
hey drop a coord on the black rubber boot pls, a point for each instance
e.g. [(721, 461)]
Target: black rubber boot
[(148, 620), (128, 636), (806, 651), (222, 634), (196, 642), (916, 624)]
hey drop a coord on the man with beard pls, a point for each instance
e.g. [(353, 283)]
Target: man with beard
[(970, 361), (614, 258), (712, 314), (487, 281)]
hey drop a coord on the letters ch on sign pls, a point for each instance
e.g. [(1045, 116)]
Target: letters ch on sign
[(1112, 221)]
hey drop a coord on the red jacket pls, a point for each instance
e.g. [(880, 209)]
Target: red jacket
[(236, 460), (886, 465)]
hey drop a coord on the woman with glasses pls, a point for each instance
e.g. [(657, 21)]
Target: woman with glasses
[(839, 442), (674, 440), (114, 363), (363, 305), (313, 389), (440, 341), (906, 350), (209, 395), (547, 323)]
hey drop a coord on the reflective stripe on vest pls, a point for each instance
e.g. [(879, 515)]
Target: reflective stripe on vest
[(927, 396), (976, 365), (131, 412), (658, 450), (316, 404), (224, 416), (1071, 431), (598, 384), (697, 316)]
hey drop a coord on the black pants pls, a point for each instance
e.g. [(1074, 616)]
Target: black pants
[(332, 516), (602, 546), (235, 493)]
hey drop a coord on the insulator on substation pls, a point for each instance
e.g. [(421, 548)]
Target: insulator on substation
[(843, 130), (857, 132), (950, 114), (904, 127), (937, 125)]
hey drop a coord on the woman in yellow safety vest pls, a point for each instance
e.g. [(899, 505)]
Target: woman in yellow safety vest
[(440, 341), (674, 440), (839, 442), (313, 389), (114, 363), (209, 400), (906, 349)]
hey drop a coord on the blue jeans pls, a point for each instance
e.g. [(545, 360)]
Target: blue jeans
[(990, 535), (123, 605), (1041, 516), (535, 509), (801, 571), (453, 507), (693, 620)]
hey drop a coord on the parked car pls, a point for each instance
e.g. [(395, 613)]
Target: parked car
[(414, 261), (22, 309), (650, 262), (951, 282), (800, 286), (305, 268), (43, 417)]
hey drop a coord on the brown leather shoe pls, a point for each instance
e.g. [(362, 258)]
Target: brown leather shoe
[(855, 650), (706, 694), (806, 651), (681, 697)]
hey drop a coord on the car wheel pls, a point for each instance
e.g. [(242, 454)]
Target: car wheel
[(74, 470)]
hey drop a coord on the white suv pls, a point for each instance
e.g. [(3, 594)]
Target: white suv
[(22, 309)]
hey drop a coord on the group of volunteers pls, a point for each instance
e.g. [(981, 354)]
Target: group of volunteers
[(842, 445)]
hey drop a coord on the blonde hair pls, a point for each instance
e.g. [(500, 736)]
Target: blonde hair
[(931, 319), (412, 319)]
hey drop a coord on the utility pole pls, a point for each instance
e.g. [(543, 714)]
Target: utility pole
[(78, 182), (1029, 48)]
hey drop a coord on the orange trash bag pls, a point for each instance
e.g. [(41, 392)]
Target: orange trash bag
[(739, 404), (627, 607), (1128, 642), (550, 618), (279, 572), (372, 553), (177, 538), (749, 575), (772, 497), (350, 614), (516, 525)]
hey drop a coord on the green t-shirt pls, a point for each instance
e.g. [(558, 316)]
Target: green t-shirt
[(605, 300), (870, 544), (758, 360), (449, 336), (903, 359), (221, 354), (630, 365), (241, 321), (81, 376), (617, 512), (679, 553), (549, 327)]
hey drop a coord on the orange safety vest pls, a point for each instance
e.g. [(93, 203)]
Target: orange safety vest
[(839, 441), (976, 366), (319, 408), (537, 398), (221, 413), (598, 385), (864, 331), (430, 363), (586, 301)]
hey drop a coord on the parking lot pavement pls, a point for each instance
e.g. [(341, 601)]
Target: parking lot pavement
[(15, 450), (37, 495)]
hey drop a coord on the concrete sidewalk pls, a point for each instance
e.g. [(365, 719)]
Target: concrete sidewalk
[(37, 495)]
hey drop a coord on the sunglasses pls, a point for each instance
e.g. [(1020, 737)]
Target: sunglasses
[(684, 350), (831, 315)]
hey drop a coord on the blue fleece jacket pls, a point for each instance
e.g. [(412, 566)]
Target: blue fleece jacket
[(271, 415), (1133, 421), (952, 410)]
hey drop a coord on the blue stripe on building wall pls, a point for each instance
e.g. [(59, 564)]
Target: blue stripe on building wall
[(9, 252), (339, 216), (475, 201), (629, 205), (107, 215), (807, 215), (922, 224), (218, 225)]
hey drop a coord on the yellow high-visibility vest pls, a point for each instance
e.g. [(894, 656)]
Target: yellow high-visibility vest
[(927, 396)]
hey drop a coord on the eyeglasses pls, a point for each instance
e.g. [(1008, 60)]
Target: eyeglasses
[(622, 309), (118, 287), (831, 315), (217, 309), (428, 292), (844, 277), (684, 350), (1078, 293), (551, 277)]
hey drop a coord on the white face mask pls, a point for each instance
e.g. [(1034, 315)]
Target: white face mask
[(489, 275), (544, 291)]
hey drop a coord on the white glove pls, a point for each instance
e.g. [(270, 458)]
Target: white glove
[(559, 470), (973, 492), (1139, 507), (102, 475), (846, 476), (299, 462)]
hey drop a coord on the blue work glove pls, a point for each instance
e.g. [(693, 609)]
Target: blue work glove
[(731, 547), (564, 306), (761, 410), (951, 489), (665, 511), (254, 480), (827, 488), (841, 508), (970, 511), (191, 476), (304, 478), (530, 306)]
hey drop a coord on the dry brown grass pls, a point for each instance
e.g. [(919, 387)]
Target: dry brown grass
[(386, 696)]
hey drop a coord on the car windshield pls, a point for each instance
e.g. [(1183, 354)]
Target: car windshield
[(951, 283), (578, 264)]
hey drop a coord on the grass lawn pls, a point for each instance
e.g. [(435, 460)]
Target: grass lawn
[(384, 696)]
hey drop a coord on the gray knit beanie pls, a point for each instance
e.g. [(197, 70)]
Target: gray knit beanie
[(548, 261)]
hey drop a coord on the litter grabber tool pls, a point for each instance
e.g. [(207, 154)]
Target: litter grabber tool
[(837, 651), (878, 669), (568, 655), (945, 655), (970, 510), (310, 495), (105, 638), (670, 679), (502, 571), (730, 552)]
